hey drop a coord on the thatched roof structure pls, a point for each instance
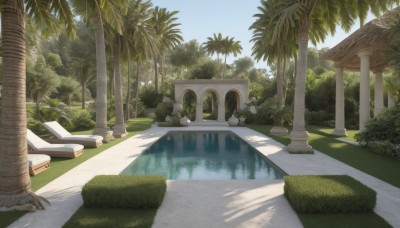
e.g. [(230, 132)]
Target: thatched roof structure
[(373, 36)]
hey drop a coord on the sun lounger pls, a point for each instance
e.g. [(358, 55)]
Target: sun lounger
[(63, 136), (37, 145), (38, 163)]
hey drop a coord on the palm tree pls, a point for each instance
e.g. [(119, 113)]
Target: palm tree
[(299, 17), (214, 45), (15, 188), (83, 59), (272, 52), (97, 13), (141, 37), (169, 36), (230, 46)]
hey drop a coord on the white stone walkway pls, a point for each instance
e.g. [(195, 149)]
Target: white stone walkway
[(230, 203)]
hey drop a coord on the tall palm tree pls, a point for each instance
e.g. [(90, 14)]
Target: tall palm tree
[(97, 13), (277, 52), (230, 46), (83, 59), (15, 187), (169, 35), (299, 17), (214, 45), (141, 37)]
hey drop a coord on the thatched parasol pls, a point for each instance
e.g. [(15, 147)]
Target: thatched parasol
[(373, 36)]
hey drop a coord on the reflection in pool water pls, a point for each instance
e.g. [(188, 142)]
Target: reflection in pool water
[(203, 156)]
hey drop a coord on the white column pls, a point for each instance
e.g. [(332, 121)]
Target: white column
[(390, 101), (378, 90), (364, 87), (340, 129), (221, 109), (199, 110)]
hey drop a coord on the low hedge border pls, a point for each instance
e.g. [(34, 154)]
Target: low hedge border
[(114, 191), (328, 194)]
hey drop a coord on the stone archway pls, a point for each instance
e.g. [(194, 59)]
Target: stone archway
[(220, 87)]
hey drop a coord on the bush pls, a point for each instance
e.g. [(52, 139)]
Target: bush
[(319, 117), (163, 109), (149, 97), (113, 191), (327, 194), (384, 127), (81, 120)]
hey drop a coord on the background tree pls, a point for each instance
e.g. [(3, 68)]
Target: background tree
[(214, 45), (98, 12), (186, 55), (169, 35), (230, 46), (82, 55)]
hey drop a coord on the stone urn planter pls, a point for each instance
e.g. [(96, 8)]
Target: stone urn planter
[(184, 121), (233, 121)]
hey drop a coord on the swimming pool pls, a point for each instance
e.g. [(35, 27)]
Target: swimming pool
[(200, 155)]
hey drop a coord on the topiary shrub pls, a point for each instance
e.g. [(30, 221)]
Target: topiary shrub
[(114, 191), (328, 194), (382, 130)]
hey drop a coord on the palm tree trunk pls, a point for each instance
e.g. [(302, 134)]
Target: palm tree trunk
[(15, 187), (279, 83), (137, 87), (83, 97), (101, 81), (128, 93), (119, 130), (284, 83), (155, 74), (299, 135), (223, 74), (162, 73)]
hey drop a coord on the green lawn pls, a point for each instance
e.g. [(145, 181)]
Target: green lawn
[(384, 168), (348, 220), (60, 166)]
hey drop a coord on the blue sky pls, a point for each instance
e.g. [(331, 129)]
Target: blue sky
[(201, 18)]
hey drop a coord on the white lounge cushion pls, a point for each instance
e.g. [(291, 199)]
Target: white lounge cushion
[(36, 159), (38, 144), (90, 138), (57, 130)]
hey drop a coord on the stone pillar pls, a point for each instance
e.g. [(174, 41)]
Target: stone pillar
[(390, 101), (340, 129), (199, 110), (221, 109), (378, 90), (364, 87)]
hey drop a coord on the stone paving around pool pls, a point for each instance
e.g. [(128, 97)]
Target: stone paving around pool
[(228, 203)]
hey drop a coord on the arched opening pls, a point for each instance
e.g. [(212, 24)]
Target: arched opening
[(232, 103), (210, 105), (189, 105)]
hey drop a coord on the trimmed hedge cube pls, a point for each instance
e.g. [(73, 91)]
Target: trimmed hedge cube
[(113, 191), (328, 194)]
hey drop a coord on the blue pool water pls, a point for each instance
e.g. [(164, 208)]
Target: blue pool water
[(203, 156)]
